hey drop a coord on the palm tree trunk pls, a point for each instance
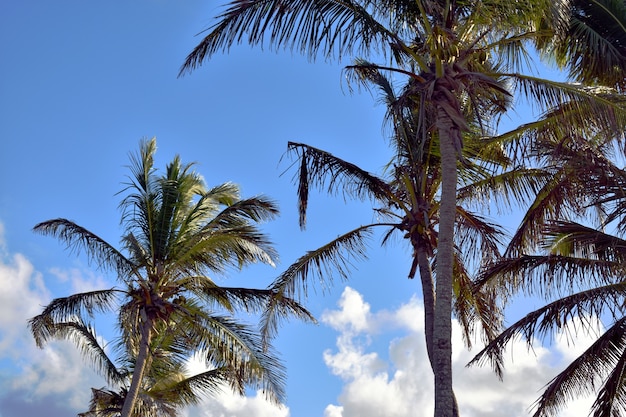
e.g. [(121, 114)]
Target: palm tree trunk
[(143, 357), (429, 299), (428, 296), (442, 327)]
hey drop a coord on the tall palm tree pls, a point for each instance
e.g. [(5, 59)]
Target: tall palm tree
[(450, 48), (408, 200), (178, 232)]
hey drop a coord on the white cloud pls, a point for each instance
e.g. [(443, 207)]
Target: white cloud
[(80, 281), (23, 293), (401, 384), (33, 375)]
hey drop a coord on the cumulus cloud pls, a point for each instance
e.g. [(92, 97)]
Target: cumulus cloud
[(53, 378), (400, 384)]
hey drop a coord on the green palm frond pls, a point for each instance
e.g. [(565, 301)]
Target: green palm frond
[(600, 53), (104, 403), (224, 342), (477, 239), (513, 186), (333, 259), (277, 309), (229, 238), (574, 239), (84, 337), (583, 104), (218, 249), (66, 308), (79, 239), (312, 27), (473, 306), (190, 390), (547, 205), (549, 275)]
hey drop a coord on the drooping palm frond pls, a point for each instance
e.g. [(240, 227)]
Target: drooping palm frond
[(547, 276), (563, 314), (547, 205), (224, 342), (273, 306), (476, 310), (599, 55), (79, 239), (334, 259), (65, 309), (324, 170), (583, 105), (515, 186), (104, 403), (190, 390), (312, 27), (477, 239), (575, 239), (602, 364), (84, 337)]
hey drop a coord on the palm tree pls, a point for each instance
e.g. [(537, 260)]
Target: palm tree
[(178, 232), (449, 48), (408, 199)]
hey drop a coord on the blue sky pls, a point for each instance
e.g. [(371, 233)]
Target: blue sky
[(82, 82)]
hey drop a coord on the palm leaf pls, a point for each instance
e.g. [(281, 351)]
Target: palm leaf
[(80, 239), (322, 264), (311, 27), (603, 360), (561, 315), (324, 170), (227, 343), (65, 308), (84, 337)]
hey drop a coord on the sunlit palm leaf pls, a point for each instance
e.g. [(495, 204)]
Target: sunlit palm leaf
[(227, 343)]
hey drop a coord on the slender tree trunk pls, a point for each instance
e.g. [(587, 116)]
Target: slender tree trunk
[(143, 358), (428, 296), (442, 330)]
